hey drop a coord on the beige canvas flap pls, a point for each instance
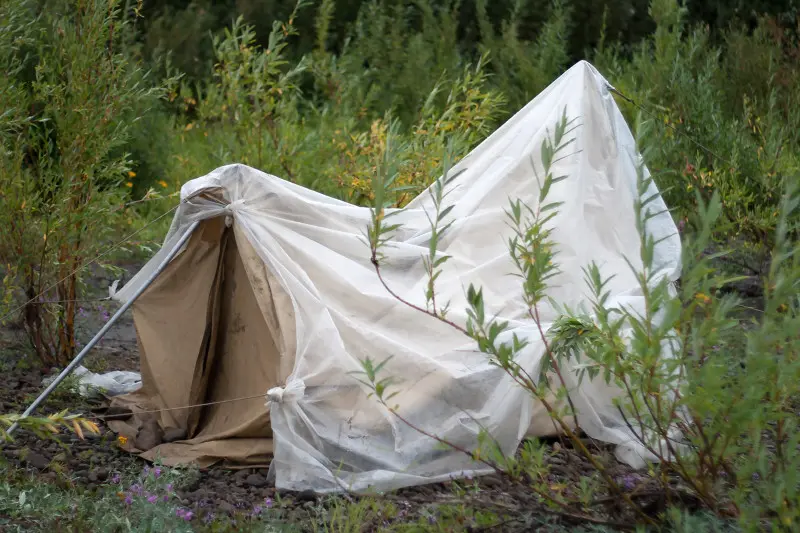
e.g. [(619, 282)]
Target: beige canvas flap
[(206, 336)]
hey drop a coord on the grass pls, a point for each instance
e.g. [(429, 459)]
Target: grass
[(28, 504), (145, 502)]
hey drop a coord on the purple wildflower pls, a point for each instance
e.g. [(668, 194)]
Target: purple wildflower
[(128, 499), (152, 498), (136, 488), (268, 503), (81, 312), (157, 471), (169, 487), (257, 510), (166, 497), (629, 482), (115, 479), (184, 513)]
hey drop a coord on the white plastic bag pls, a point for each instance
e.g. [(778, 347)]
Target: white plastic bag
[(109, 384)]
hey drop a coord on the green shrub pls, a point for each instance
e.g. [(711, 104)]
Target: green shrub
[(721, 120), (71, 96), (524, 68)]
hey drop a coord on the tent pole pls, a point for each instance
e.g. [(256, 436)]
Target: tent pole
[(68, 370)]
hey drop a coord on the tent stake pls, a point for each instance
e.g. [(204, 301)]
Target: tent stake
[(68, 370)]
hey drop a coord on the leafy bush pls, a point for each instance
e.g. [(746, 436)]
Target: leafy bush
[(524, 68), (250, 111), (70, 98), (723, 124)]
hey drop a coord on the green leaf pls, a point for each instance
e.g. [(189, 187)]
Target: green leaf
[(446, 211)]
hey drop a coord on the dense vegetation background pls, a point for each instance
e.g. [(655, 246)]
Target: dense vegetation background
[(108, 106)]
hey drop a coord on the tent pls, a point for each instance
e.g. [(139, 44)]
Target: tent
[(273, 298)]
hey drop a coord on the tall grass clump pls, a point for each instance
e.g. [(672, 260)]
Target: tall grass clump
[(69, 103), (711, 396)]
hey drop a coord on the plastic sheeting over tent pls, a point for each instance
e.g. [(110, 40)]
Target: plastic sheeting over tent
[(292, 303)]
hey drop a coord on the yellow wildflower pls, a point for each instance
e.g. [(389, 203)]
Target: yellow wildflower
[(163, 183), (131, 174), (129, 185), (702, 298), (122, 440)]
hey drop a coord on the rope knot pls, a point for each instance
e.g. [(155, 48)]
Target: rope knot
[(234, 206), (230, 209), (293, 391)]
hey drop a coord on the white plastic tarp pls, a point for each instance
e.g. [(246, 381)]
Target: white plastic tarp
[(328, 433)]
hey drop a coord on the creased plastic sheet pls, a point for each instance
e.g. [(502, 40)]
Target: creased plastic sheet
[(111, 383), (328, 434)]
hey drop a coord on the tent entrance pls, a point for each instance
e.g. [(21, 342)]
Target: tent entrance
[(204, 337)]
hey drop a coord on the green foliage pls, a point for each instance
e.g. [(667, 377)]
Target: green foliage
[(71, 96), (248, 87), (149, 504), (724, 118), (523, 68), (45, 427)]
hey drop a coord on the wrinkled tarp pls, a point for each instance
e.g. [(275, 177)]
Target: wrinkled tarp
[(323, 310)]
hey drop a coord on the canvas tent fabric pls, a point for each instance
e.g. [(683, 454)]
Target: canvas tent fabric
[(275, 295)]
